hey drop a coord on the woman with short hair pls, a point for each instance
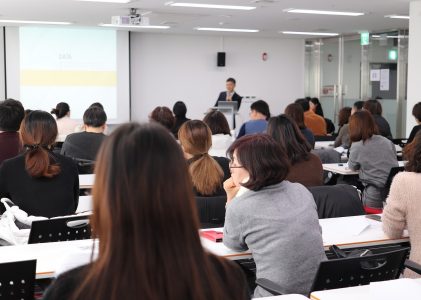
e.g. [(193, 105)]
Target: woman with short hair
[(221, 134), (145, 218), (275, 219), (372, 155)]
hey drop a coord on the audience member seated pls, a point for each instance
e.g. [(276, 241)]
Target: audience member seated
[(416, 112), (272, 217), (375, 108), (259, 116), (358, 106), (11, 115), (39, 181), (317, 108), (146, 222), (221, 135), (372, 155), (306, 167), (403, 206), (314, 122), (295, 112), (180, 110), (65, 125), (163, 116), (208, 173), (343, 134), (85, 145)]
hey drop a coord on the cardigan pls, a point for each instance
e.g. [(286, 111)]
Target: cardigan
[(343, 137), (280, 226), (307, 172), (403, 210), (315, 123)]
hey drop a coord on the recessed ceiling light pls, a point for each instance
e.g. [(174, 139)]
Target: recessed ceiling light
[(106, 1), (226, 29), (310, 33), (34, 22), (216, 6), (323, 12), (136, 26), (397, 17)]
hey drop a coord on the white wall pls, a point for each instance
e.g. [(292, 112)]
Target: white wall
[(414, 62), (167, 68)]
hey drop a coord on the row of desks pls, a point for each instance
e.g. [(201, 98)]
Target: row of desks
[(349, 232)]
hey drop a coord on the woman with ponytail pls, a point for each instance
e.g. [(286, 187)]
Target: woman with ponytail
[(65, 125), (208, 173), (39, 181)]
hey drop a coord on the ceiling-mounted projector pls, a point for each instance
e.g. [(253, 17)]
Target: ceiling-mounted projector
[(132, 19)]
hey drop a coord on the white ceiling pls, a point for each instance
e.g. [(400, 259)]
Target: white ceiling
[(269, 17)]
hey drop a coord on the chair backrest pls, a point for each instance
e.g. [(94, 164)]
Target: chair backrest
[(211, 211), (347, 272), (60, 229), (85, 166), (392, 174), (400, 142), (341, 200), (17, 280), (324, 138)]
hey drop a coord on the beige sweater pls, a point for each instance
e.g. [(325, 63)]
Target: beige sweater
[(403, 210)]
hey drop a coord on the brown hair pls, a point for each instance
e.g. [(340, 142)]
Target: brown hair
[(145, 218), (263, 158), (344, 115), (163, 116), (373, 106), (295, 111), (38, 134), (196, 139), (217, 122), (416, 111), (412, 153), (287, 134), (361, 126)]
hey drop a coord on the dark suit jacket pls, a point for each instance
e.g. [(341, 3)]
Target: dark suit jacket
[(223, 97)]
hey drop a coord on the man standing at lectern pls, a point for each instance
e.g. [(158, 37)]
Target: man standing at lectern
[(229, 94)]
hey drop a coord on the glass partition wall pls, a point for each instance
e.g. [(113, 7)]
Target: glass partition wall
[(340, 71)]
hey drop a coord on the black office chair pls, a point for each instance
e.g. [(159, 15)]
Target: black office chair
[(60, 229), (395, 170), (413, 266), (348, 272), (85, 166), (57, 147), (211, 211), (324, 138), (341, 200), (400, 142), (17, 280)]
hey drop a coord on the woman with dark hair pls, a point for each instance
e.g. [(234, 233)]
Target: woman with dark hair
[(274, 218), (163, 116), (403, 207), (375, 108), (316, 107), (221, 134), (416, 112), (145, 218), (372, 155), (180, 110), (295, 112), (208, 173), (259, 116), (343, 135), (65, 125), (306, 168), (40, 182)]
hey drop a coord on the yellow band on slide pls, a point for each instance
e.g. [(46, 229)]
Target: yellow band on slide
[(68, 78)]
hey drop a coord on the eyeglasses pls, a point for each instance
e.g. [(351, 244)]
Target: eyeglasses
[(232, 166)]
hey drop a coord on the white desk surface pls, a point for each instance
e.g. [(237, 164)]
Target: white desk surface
[(324, 145), (85, 204), (343, 168), (286, 297), (343, 232), (86, 181), (365, 292), (48, 255)]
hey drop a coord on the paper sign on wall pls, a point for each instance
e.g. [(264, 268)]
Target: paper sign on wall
[(375, 75), (384, 79)]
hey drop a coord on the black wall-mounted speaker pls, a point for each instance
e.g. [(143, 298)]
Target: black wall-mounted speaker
[(221, 59)]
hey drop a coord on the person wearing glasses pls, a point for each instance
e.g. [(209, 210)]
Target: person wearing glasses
[(275, 219)]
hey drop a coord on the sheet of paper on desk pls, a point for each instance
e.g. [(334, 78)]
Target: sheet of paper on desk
[(340, 149), (407, 289), (347, 226)]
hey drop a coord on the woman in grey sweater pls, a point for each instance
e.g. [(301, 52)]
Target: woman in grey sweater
[(274, 218), (372, 155)]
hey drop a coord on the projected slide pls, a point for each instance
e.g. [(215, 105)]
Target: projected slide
[(77, 66)]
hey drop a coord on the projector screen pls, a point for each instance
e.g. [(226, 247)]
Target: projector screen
[(80, 66)]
